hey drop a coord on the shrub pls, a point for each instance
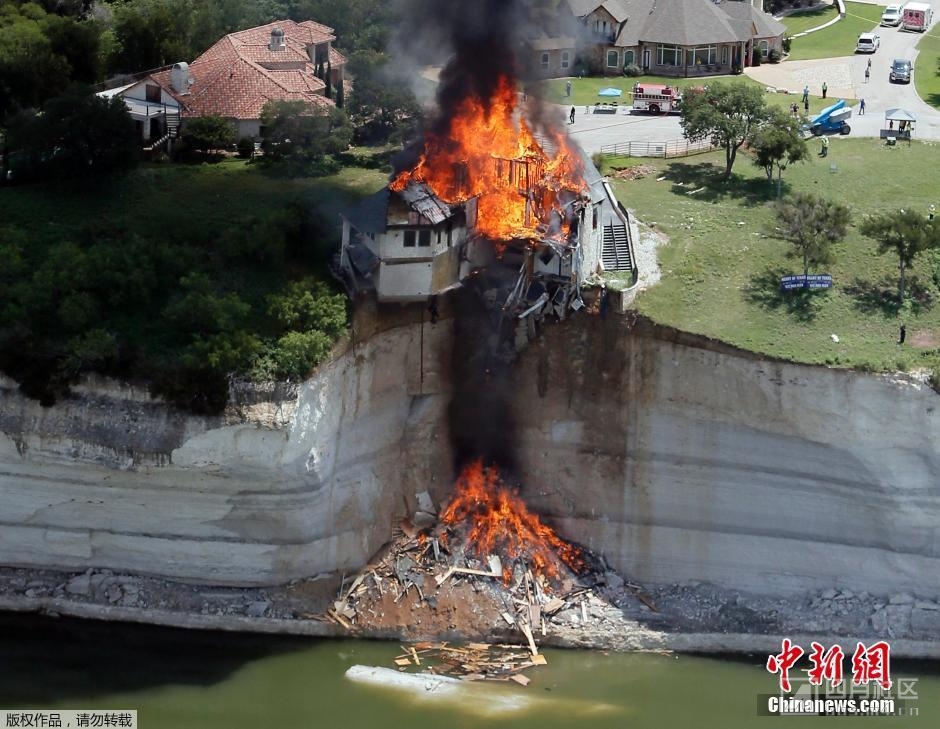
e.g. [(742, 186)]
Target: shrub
[(246, 147), (632, 70), (787, 42), (775, 56)]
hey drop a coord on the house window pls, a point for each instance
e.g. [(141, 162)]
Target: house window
[(153, 93), (704, 55), (565, 59), (628, 58), (595, 217), (764, 47), (409, 239), (670, 55), (545, 61), (613, 59), (424, 238), (724, 55)]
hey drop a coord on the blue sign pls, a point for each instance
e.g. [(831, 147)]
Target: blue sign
[(806, 281)]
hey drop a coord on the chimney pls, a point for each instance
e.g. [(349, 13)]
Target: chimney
[(277, 39), (179, 77)]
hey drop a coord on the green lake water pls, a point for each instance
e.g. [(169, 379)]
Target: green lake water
[(198, 680)]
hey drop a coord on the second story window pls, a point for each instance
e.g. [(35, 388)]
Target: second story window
[(424, 238), (565, 59), (545, 61), (410, 239)]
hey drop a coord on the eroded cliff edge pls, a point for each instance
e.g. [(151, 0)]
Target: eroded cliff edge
[(676, 457)]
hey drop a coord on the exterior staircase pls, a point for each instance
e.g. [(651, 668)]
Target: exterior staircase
[(615, 252), (172, 120)]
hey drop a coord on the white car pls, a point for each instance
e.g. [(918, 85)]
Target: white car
[(891, 16), (867, 43)]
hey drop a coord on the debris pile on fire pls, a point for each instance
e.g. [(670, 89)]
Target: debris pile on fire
[(485, 566)]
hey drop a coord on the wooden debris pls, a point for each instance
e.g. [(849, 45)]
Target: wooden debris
[(509, 618), (414, 655), (553, 606), (339, 619), (519, 679), (527, 632), (646, 600), (539, 659), (402, 662)]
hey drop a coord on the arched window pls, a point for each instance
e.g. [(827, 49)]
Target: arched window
[(613, 59), (628, 58)]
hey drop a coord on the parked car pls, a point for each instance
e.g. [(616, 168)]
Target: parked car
[(891, 16), (900, 70), (867, 43)]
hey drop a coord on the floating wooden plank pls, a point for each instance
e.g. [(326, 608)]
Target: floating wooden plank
[(539, 659), (402, 662), (519, 679), (479, 646), (414, 654)]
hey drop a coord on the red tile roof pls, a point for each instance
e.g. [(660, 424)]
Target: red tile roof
[(236, 76)]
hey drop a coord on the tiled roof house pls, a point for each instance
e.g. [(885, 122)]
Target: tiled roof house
[(236, 77), (663, 37)]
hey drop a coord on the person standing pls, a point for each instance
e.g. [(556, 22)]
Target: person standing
[(567, 88), (861, 107), (806, 94), (571, 116), (824, 152), (867, 74), (824, 89), (806, 105)]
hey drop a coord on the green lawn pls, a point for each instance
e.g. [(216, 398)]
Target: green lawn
[(926, 78), (806, 19), (838, 39), (721, 268)]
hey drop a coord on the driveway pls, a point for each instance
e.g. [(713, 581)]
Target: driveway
[(845, 77)]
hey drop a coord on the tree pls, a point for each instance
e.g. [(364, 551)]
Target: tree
[(378, 106), (206, 133), (904, 233), (328, 80), (78, 134), (812, 224), (778, 142), (304, 136), (727, 114), (340, 93)]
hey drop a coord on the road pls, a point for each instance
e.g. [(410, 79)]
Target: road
[(845, 77)]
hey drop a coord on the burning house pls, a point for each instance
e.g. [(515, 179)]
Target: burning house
[(488, 194)]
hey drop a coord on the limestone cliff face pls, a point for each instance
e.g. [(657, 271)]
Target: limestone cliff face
[(680, 458), (274, 491), (676, 457)]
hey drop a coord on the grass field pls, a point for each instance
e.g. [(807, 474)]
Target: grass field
[(806, 19), (838, 39), (926, 78), (721, 267)]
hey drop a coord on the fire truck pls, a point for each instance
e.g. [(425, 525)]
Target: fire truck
[(656, 98)]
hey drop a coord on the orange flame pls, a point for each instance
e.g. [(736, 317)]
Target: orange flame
[(501, 523), (490, 153)]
